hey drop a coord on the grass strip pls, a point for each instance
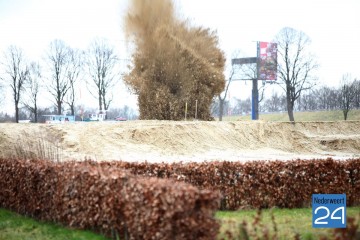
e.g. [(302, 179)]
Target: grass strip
[(14, 226), (281, 223)]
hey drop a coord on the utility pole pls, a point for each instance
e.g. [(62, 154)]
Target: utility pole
[(255, 90), (255, 100)]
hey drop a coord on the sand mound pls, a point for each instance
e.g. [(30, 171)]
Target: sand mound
[(156, 141)]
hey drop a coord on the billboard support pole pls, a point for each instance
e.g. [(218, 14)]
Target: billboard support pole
[(255, 100), (266, 67), (255, 90)]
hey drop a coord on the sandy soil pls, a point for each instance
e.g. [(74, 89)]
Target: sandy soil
[(157, 141)]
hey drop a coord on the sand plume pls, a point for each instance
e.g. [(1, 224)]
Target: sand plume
[(173, 63)]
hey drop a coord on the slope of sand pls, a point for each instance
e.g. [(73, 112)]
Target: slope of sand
[(155, 141)]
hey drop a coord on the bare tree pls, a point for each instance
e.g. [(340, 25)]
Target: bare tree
[(73, 73), (242, 106), (322, 97), (309, 101), (295, 65), (273, 104), (357, 94), (246, 105), (334, 99), (249, 72), (32, 90), (58, 57), (17, 70), (347, 92), (328, 98), (2, 90), (101, 62), (222, 99), (235, 68)]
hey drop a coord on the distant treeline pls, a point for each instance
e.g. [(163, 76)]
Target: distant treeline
[(322, 98), (24, 114)]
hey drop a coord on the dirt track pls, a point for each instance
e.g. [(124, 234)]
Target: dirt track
[(156, 141)]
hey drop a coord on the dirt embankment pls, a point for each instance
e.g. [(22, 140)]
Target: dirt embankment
[(157, 141)]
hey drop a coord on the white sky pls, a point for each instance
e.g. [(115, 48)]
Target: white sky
[(332, 25)]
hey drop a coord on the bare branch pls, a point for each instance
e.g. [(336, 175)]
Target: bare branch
[(32, 90), (17, 70), (59, 85), (347, 94), (296, 65), (101, 62)]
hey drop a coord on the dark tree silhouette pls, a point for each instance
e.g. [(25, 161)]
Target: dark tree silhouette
[(58, 59), (73, 75), (17, 71), (296, 65), (101, 62), (33, 89), (347, 93), (222, 98)]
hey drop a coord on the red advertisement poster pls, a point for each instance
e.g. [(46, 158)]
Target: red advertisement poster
[(268, 61)]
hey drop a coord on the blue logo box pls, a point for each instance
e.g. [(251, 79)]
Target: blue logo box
[(329, 210)]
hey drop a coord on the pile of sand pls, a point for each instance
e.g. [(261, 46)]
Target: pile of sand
[(157, 141)]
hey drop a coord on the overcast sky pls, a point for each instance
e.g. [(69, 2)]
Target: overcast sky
[(333, 26)]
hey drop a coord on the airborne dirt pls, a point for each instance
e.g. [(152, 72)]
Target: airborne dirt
[(174, 63), (169, 141)]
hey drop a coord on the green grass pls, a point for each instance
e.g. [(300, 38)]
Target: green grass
[(288, 222), (14, 227), (301, 116)]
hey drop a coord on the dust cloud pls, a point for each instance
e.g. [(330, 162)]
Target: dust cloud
[(174, 63)]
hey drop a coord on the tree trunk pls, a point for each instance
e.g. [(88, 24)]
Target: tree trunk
[(345, 111), (59, 107), (72, 108), (100, 101), (221, 108), (16, 113), (291, 115), (290, 109), (72, 99), (35, 113), (106, 106)]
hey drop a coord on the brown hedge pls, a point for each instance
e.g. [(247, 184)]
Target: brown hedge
[(262, 184), (108, 200)]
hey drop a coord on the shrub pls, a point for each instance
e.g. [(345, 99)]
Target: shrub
[(108, 200)]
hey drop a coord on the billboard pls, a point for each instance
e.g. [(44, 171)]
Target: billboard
[(267, 54)]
